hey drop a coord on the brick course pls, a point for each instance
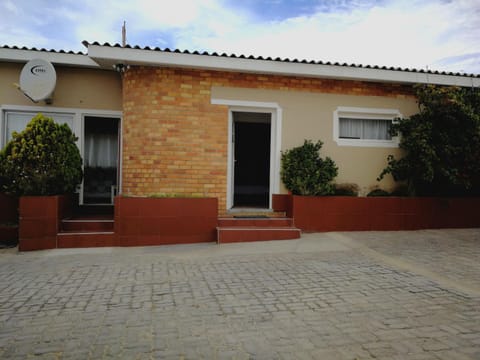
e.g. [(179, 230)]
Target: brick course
[(175, 140)]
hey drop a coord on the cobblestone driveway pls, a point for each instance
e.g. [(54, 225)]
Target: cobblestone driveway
[(402, 295)]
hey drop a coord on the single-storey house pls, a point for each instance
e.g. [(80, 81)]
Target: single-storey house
[(159, 121)]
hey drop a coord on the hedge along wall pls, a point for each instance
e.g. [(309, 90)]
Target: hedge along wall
[(175, 140)]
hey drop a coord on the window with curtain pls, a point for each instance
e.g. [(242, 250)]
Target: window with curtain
[(368, 129), (101, 150)]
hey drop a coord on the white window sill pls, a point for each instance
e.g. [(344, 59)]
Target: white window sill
[(367, 143)]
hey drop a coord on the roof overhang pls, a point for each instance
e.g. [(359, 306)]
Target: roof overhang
[(57, 58), (108, 56)]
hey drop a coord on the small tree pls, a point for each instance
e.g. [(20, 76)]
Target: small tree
[(41, 160), (304, 172), (441, 143)]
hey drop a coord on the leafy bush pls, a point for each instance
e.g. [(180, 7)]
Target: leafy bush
[(41, 160), (378, 192), (441, 143), (304, 172), (346, 189)]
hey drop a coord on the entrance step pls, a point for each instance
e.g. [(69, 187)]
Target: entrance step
[(85, 239), (252, 213), (86, 231), (265, 222), (245, 229)]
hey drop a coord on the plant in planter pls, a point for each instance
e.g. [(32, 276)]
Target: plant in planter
[(304, 172), (346, 189), (378, 193), (441, 143), (41, 161)]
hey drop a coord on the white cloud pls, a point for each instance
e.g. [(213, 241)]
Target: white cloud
[(440, 34), (404, 34), (10, 6)]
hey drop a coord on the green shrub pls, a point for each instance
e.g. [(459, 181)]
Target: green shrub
[(304, 172), (41, 160), (346, 189), (441, 143), (378, 192)]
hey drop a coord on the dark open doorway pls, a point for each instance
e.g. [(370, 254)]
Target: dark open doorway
[(100, 160), (251, 159)]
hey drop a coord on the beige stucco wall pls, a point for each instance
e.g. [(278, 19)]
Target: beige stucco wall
[(76, 88), (307, 115)]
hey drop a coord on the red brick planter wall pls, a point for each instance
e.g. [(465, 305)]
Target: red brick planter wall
[(39, 221), (313, 214), (156, 221), (283, 202)]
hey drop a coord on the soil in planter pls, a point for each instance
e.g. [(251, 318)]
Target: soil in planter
[(8, 236), (7, 244)]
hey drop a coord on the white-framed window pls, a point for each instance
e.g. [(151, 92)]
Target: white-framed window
[(17, 121), (369, 127), (16, 117)]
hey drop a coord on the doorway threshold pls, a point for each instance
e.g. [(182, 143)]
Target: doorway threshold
[(252, 212), (240, 210)]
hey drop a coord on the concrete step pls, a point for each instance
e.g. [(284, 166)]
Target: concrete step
[(253, 221), (254, 213), (85, 239)]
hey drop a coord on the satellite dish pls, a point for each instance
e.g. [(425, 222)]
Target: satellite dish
[(38, 79)]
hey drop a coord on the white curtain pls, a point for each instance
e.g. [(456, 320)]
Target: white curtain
[(101, 150), (365, 129)]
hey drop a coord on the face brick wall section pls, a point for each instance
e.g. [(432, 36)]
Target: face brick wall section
[(175, 140)]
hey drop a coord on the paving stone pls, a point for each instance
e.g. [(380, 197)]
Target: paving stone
[(148, 303)]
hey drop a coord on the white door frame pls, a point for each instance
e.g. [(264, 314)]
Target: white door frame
[(275, 141), (104, 114)]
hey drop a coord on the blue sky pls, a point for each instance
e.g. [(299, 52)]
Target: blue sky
[(438, 34)]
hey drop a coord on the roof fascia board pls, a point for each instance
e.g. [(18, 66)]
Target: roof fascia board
[(131, 56), (22, 55)]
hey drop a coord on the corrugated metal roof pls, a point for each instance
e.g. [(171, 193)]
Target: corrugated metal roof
[(42, 49), (24, 54), (278, 59), (241, 56)]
